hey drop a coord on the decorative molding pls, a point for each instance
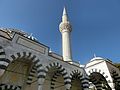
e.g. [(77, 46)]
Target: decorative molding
[(31, 75), (32, 45), (116, 78), (9, 87), (98, 84), (76, 74), (34, 59), (3, 61), (65, 27), (60, 71)]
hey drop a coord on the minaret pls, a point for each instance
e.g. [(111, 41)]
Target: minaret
[(65, 29)]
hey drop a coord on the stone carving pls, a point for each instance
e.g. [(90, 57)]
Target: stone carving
[(65, 26)]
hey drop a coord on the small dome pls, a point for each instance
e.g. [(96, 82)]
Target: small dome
[(97, 58)]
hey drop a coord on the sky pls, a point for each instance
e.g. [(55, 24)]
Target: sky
[(95, 25)]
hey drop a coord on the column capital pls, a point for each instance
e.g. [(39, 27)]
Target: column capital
[(65, 27)]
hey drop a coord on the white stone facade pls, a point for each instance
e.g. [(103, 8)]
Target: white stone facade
[(26, 64), (109, 75)]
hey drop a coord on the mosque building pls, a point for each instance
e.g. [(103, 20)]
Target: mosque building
[(27, 64)]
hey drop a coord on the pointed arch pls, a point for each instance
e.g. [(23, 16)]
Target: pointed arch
[(34, 59), (60, 71), (98, 71), (84, 80), (103, 80), (31, 75), (29, 56), (116, 79), (3, 61)]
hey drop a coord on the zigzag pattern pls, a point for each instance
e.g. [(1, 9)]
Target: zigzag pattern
[(35, 60), (96, 83), (78, 75), (60, 71), (116, 78), (99, 84), (53, 80), (99, 71), (28, 55), (31, 75), (9, 87), (3, 61)]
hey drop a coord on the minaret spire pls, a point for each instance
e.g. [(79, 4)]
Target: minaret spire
[(65, 29), (64, 17), (64, 11)]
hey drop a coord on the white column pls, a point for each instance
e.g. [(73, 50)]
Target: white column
[(66, 46), (40, 83), (67, 86), (65, 29), (40, 87)]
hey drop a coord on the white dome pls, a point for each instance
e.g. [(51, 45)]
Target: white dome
[(97, 58)]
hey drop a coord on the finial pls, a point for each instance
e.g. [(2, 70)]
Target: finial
[(64, 17), (94, 55), (50, 50), (64, 11)]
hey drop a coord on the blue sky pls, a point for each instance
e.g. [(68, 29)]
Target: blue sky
[(96, 24)]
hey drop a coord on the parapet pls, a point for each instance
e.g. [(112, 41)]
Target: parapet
[(23, 39)]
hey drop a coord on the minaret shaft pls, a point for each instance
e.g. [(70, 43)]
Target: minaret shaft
[(66, 46), (65, 29)]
